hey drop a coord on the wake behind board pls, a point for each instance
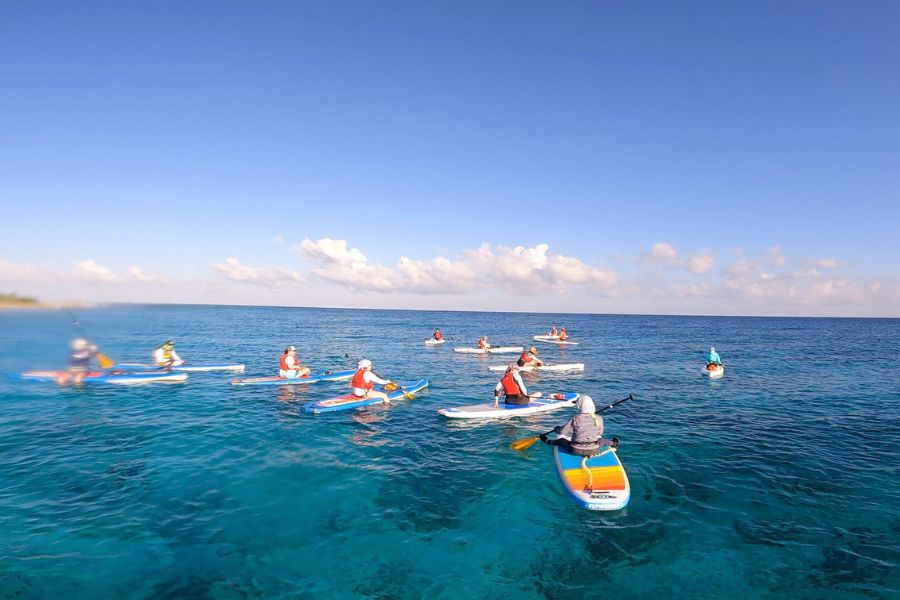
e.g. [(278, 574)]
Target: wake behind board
[(610, 489)]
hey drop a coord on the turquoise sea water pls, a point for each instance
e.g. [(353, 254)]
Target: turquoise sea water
[(780, 480)]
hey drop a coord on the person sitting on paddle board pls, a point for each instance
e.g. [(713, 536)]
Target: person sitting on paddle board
[(512, 386), (712, 359), (437, 335), (582, 435), (563, 336), (80, 355), (165, 355), (483, 343), (289, 365), (529, 358), (553, 332), (364, 379)]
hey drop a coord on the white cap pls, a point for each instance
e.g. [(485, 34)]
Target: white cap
[(364, 364), (291, 349), (79, 344), (712, 348)]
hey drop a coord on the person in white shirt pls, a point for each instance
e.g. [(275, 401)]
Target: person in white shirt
[(364, 380), (166, 357)]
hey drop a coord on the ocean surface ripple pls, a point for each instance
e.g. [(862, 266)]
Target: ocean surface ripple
[(780, 480)]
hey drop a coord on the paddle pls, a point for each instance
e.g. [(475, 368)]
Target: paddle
[(528, 442), (102, 359), (390, 387)]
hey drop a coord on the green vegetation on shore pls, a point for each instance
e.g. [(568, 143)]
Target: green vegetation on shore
[(17, 300)]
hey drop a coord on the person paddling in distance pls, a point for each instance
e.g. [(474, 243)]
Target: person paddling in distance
[(80, 355), (364, 380), (483, 343), (713, 359), (289, 365), (529, 358), (438, 336), (165, 356), (512, 386)]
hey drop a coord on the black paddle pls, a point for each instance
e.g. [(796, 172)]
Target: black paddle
[(524, 443)]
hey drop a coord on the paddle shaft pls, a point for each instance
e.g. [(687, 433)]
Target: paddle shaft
[(527, 442)]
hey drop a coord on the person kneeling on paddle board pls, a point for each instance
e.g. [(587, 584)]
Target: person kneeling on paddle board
[(364, 379), (165, 356), (712, 359), (529, 358), (582, 435), (483, 343), (512, 386), (289, 365)]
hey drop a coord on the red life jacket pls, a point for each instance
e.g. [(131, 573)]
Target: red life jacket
[(282, 364), (562, 335), (437, 335), (510, 387), (481, 343), (526, 358), (359, 381)]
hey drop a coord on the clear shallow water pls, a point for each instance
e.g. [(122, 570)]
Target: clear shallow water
[(778, 480)]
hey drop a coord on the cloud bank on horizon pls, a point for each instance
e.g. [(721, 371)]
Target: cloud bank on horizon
[(331, 272)]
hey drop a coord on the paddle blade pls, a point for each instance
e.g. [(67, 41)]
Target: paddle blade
[(104, 361), (524, 443)]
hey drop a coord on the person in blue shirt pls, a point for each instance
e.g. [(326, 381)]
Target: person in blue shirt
[(712, 357)]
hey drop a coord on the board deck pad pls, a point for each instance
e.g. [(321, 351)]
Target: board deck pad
[(610, 490)]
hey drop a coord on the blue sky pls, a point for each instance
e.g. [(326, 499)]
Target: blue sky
[(171, 137)]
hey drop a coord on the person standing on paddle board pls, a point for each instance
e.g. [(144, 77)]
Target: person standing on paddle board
[(165, 356), (364, 380), (582, 435), (512, 386), (712, 358), (289, 365), (437, 335), (529, 358)]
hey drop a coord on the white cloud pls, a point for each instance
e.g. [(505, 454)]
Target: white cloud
[(523, 270), (662, 253), (17, 273), (700, 263), (827, 263), (233, 270), (89, 270)]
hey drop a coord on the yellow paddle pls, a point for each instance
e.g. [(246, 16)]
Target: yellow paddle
[(390, 387), (528, 442)]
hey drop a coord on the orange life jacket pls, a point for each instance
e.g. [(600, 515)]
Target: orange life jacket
[(510, 387), (562, 335), (359, 381), (526, 358), (481, 343), (437, 335)]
